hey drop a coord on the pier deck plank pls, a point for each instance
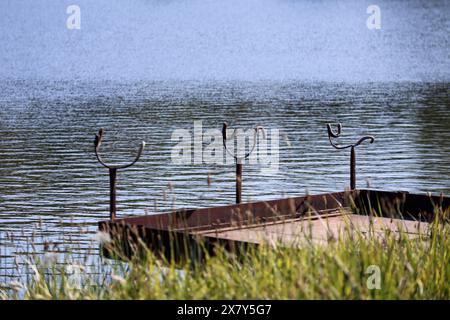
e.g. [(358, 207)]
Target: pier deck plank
[(291, 232)]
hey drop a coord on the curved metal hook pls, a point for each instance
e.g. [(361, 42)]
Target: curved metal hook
[(332, 134), (370, 138), (98, 142), (255, 135)]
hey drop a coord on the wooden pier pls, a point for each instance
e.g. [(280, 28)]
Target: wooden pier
[(287, 222)]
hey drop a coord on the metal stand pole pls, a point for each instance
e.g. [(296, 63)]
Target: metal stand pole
[(239, 166), (112, 193), (332, 134), (238, 182), (113, 172), (352, 169)]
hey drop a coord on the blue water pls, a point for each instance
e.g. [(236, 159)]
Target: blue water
[(225, 40)]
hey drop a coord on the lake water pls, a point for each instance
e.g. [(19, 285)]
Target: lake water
[(53, 189)]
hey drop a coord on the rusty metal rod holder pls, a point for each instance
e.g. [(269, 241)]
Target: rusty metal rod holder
[(332, 134), (238, 160), (113, 172)]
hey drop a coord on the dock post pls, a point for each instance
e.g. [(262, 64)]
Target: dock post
[(332, 134), (113, 172)]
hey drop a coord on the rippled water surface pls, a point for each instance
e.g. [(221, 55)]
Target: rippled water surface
[(53, 189)]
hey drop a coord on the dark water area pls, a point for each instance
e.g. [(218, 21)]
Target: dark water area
[(53, 189)]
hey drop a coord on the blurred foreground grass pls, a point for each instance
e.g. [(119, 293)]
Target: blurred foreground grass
[(358, 265)]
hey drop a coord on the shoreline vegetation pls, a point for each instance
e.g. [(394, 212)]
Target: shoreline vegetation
[(356, 265)]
